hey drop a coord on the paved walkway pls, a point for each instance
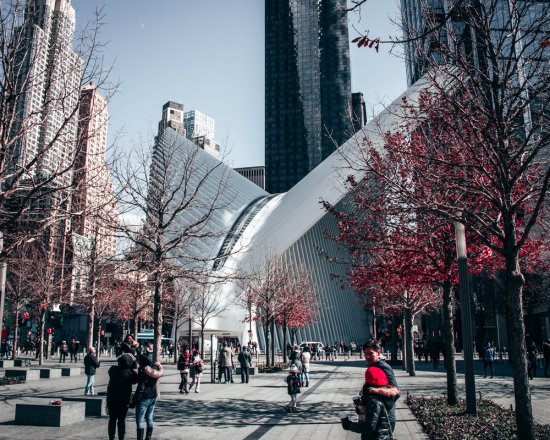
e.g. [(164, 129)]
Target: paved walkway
[(253, 411)]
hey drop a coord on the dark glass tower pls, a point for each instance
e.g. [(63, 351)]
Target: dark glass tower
[(307, 87)]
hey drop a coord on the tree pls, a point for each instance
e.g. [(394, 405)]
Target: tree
[(40, 98), (175, 191), (299, 305), (479, 154), (266, 284), (207, 303)]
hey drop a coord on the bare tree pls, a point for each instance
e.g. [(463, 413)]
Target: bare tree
[(41, 78), (176, 190), (265, 288), (207, 304)]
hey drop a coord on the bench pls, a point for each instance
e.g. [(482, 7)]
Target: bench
[(22, 363), (251, 371), (44, 414), (6, 364), (71, 371), (48, 373), (23, 373), (95, 406)]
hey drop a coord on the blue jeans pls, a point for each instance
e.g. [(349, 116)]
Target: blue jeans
[(89, 384), (144, 410)]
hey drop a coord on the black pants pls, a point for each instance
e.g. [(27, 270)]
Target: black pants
[(62, 357), (244, 374), (490, 365), (117, 417)]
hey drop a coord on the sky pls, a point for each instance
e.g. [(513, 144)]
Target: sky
[(209, 56)]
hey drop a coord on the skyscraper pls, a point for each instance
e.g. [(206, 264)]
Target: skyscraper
[(47, 90), (201, 129), (93, 201), (307, 87)]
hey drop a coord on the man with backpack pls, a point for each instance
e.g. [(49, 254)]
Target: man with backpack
[(489, 358)]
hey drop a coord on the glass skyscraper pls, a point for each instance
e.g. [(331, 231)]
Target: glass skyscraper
[(307, 87)]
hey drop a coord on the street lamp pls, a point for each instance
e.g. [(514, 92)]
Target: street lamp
[(465, 295)]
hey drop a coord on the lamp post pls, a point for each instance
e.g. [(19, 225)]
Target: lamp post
[(465, 296), (3, 270)]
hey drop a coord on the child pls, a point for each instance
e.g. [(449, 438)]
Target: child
[(293, 387), (374, 421)]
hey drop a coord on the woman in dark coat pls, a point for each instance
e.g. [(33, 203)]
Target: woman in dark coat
[(119, 392)]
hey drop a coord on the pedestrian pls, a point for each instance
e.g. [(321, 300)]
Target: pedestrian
[(184, 365), (119, 393), (305, 358), (546, 354), (72, 350), (77, 350), (532, 360), (245, 361), (146, 395), (371, 352), (226, 361), (197, 365), (295, 358), (129, 345), (90, 365), (373, 409), (489, 358), (435, 353), (63, 349), (293, 388), (149, 351)]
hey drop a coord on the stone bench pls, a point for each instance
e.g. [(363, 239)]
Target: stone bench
[(44, 414), (6, 364), (251, 371), (20, 362), (95, 406), (48, 373), (23, 373), (71, 371)]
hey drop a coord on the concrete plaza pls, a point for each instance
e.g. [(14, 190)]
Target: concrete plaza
[(256, 410)]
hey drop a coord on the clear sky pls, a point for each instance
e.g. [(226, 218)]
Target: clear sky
[(209, 56)]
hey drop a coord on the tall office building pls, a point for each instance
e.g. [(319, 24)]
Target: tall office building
[(201, 129), (307, 87), (254, 174), (458, 35), (172, 116), (47, 90), (93, 201), (94, 209)]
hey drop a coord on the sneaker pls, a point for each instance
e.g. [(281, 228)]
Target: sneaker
[(288, 409), (181, 391), (197, 391)]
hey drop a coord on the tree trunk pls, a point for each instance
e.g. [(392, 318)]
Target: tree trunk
[(409, 341), (15, 334), (285, 342), (90, 325), (98, 350), (176, 341), (394, 339), (41, 333), (201, 342), (518, 352), (267, 344), (157, 318), (404, 343), (449, 343), (273, 343)]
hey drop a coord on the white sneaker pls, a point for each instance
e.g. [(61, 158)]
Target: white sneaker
[(197, 391)]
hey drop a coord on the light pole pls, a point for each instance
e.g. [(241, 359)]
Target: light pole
[(3, 270), (466, 310)]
